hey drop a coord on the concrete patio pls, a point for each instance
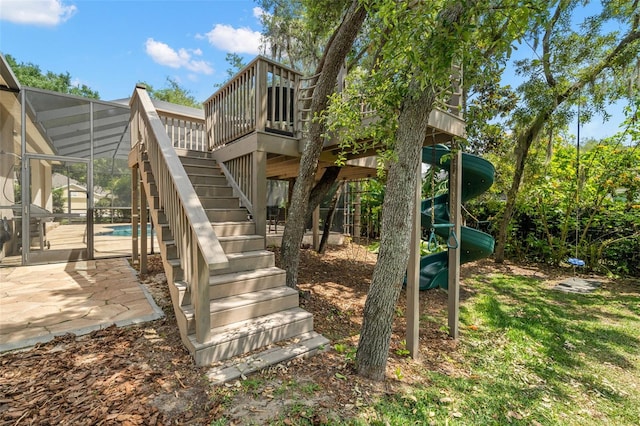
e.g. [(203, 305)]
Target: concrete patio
[(40, 302)]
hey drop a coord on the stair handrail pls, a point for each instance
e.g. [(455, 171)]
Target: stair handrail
[(237, 191), (198, 246)]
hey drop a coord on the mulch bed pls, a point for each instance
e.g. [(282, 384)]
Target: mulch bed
[(143, 375)]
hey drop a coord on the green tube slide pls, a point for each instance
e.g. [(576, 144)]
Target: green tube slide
[(477, 177)]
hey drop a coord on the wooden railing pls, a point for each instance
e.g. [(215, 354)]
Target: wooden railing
[(453, 105), (240, 174), (247, 174), (262, 96), (198, 247), (186, 131)]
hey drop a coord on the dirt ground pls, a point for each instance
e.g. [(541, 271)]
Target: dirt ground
[(143, 375)]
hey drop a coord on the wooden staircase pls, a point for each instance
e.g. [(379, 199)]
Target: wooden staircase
[(250, 305)]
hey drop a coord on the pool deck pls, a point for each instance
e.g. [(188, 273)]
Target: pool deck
[(40, 302)]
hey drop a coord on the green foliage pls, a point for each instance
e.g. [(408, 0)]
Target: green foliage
[(348, 351), (236, 63), (31, 75), (58, 200), (173, 93), (602, 205), (298, 30)]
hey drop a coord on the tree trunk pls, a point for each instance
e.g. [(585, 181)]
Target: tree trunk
[(523, 143), (530, 134), (321, 189), (328, 221), (337, 49), (397, 217)]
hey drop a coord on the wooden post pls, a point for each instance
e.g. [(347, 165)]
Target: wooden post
[(134, 213), (261, 95), (315, 226), (357, 213), (259, 191), (455, 201), (143, 230), (413, 275), (201, 297)]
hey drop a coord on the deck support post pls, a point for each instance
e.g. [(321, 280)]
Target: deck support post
[(315, 225), (455, 201), (135, 182), (143, 230), (413, 275), (357, 213), (259, 191)]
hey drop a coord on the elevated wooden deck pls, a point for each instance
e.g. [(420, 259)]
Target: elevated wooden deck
[(204, 179), (260, 109)]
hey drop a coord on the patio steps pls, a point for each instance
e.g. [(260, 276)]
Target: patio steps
[(250, 305)]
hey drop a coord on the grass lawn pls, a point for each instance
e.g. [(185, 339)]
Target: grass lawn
[(533, 356)]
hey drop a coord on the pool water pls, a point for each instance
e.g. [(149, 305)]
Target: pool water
[(122, 231)]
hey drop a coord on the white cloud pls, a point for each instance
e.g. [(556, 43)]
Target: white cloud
[(36, 12), (258, 12), (235, 40), (163, 54)]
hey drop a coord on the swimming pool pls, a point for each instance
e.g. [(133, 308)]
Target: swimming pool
[(122, 231)]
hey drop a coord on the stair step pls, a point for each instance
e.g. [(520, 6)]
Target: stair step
[(304, 345), (227, 215), (194, 157), (203, 169), (207, 178), (220, 202), (226, 229), (245, 336), (235, 283), (240, 243), (204, 190), (169, 248), (248, 260), (163, 233), (242, 307)]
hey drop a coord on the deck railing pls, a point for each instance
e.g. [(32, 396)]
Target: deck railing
[(185, 132), (247, 175), (262, 96), (452, 105), (198, 246)]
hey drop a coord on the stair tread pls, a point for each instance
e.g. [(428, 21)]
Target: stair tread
[(244, 275), (240, 237), (232, 222), (252, 253), (225, 333), (304, 344), (244, 299), (207, 185)]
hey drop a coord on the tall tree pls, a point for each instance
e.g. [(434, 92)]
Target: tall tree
[(174, 93), (31, 75), (577, 64), (305, 196), (422, 41)]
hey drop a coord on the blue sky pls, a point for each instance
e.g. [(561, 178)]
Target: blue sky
[(110, 45)]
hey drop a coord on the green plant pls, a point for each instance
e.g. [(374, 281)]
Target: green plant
[(348, 351), (398, 373), (402, 350)]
